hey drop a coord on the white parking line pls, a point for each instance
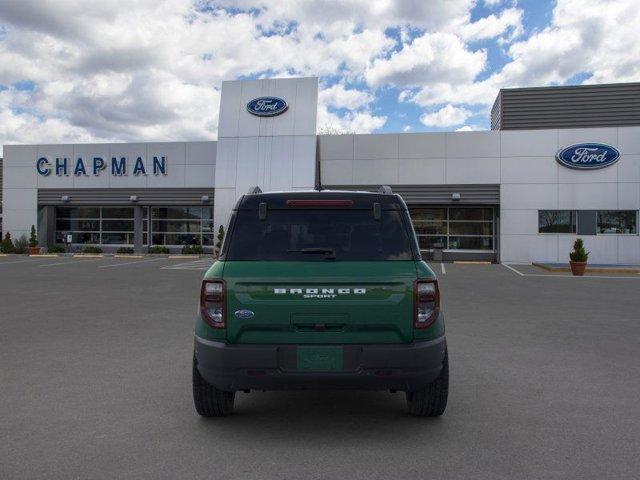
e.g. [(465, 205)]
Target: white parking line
[(203, 264), (513, 269), (130, 263), (444, 272), (72, 262), (550, 275)]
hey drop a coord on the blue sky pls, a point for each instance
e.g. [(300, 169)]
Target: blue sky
[(77, 71)]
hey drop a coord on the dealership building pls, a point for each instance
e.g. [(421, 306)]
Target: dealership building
[(558, 163)]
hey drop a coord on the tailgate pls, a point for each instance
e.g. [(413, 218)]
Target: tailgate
[(319, 302)]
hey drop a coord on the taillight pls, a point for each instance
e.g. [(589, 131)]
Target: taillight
[(212, 303), (426, 303)]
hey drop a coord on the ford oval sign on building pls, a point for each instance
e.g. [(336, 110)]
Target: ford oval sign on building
[(267, 106), (588, 156)]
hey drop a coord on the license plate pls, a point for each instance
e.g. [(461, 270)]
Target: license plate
[(320, 358)]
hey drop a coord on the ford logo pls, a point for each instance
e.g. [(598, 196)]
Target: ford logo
[(267, 106), (243, 314), (588, 156)]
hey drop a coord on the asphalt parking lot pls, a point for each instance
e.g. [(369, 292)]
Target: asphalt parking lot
[(95, 383)]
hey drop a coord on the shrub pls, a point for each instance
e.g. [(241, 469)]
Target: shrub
[(192, 250), (579, 254), (20, 245), (91, 249), (57, 248), (7, 244), (125, 250), (158, 249), (33, 238), (220, 237)]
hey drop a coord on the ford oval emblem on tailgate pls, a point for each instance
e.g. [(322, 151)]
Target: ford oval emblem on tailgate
[(244, 314)]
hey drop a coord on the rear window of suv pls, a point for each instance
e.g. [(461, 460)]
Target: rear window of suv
[(309, 235)]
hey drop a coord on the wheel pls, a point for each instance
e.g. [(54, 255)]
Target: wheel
[(208, 400), (431, 401)]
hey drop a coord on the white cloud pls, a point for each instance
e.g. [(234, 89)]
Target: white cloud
[(509, 22), (447, 116), (351, 122), (151, 71), (596, 38), (433, 57), (407, 128), (340, 97), (469, 128)]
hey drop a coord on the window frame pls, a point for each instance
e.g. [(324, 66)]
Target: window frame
[(616, 233), (447, 221), (575, 214)]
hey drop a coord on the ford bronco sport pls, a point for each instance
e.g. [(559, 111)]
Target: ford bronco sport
[(320, 290)]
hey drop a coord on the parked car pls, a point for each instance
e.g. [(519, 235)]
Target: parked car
[(320, 290)]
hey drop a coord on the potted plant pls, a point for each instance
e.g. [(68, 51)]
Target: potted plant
[(7, 244), (20, 245), (33, 249), (578, 258)]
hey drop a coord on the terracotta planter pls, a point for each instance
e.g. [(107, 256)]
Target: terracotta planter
[(578, 268), (33, 250)]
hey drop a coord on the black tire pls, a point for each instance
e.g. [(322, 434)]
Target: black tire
[(208, 400), (431, 401)]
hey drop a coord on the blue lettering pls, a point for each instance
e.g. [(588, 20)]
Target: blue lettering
[(159, 166), (139, 167), (118, 167), (42, 165), (61, 166), (98, 165), (79, 170)]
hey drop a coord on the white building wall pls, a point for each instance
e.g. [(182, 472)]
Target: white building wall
[(189, 164), (274, 153), (522, 162)]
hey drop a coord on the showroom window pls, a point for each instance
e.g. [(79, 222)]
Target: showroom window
[(182, 226), (453, 228), (618, 222), (556, 221), (95, 225)]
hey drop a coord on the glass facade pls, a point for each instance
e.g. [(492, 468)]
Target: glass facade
[(454, 228), (170, 226), (591, 222), (95, 225), (556, 221), (618, 221), (182, 226)]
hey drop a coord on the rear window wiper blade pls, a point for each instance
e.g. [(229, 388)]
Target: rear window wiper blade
[(329, 252)]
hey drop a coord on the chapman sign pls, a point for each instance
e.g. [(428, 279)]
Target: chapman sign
[(588, 156), (267, 106), (118, 166)]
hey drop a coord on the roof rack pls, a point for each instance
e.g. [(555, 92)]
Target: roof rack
[(385, 190), (254, 190)]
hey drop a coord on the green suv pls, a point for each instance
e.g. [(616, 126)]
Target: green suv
[(320, 290)]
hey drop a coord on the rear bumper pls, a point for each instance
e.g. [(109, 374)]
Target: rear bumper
[(407, 367)]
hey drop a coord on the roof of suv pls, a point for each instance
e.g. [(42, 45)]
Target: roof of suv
[(360, 199)]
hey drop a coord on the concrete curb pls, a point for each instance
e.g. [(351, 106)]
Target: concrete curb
[(88, 255), (589, 269), (472, 262)]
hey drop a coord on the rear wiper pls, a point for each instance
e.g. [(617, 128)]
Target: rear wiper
[(329, 253)]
